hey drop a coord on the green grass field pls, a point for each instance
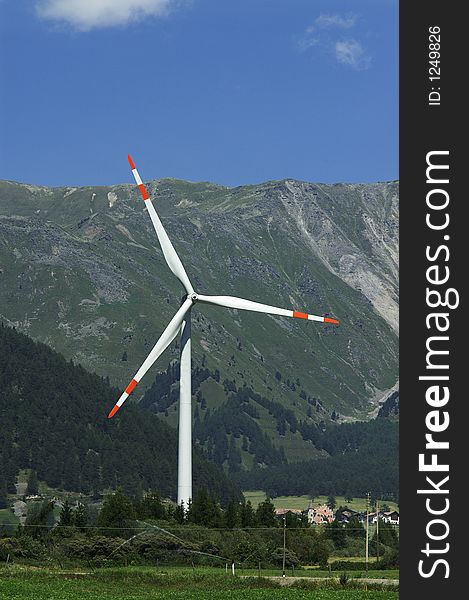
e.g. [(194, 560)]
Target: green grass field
[(302, 502), (17, 583), (371, 558), (7, 517)]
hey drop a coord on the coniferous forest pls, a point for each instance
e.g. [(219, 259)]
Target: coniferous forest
[(53, 420)]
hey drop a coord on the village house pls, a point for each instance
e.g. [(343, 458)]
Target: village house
[(280, 512), (317, 515), (390, 516), (347, 514)]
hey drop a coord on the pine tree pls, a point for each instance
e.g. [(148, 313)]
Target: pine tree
[(293, 520), (3, 490), (204, 510), (265, 514), (32, 488), (117, 516), (40, 518), (246, 514), (282, 427), (80, 516), (66, 514), (151, 507), (179, 513), (231, 516)]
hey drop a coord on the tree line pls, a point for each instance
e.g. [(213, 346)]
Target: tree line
[(148, 529)]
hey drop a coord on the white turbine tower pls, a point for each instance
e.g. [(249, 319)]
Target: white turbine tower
[(181, 323)]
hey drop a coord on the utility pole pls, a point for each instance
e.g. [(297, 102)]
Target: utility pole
[(367, 525), (377, 530), (284, 543)]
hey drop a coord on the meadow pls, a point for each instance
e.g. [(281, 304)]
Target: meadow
[(18, 582), (7, 518), (302, 502)]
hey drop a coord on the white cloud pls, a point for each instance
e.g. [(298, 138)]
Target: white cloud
[(323, 34), (352, 54), (330, 21), (84, 15)]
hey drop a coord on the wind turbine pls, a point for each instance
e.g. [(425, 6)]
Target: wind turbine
[(181, 323)]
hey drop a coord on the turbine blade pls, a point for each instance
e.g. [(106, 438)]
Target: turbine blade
[(242, 304), (173, 260), (166, 338)]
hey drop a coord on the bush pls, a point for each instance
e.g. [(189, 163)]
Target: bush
[(390, 560), (354, 547), (348, 565), (291, 559), (321, 553), (21, 547), (343, 579), (250, 553), (6, 548), (93, 547)]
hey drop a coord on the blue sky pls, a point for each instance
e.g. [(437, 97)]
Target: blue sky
[(232, 92)]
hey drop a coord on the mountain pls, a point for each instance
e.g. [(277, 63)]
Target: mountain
[(53, 420), (81, 270)]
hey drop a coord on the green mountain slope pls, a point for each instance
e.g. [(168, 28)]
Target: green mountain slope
[(361, 458), (81, 270), (53, 420)]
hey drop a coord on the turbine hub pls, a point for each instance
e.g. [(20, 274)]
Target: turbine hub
[(193, 297)]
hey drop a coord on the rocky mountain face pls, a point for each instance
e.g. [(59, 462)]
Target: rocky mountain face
[(81, 270)]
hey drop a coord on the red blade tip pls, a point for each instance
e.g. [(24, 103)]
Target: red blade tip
[(333, 321), (131, 162), (113, 411)]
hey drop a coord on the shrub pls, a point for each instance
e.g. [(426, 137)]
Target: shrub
[(23, 547), (6, 548), (291, 559), (390, 560), (343, 579), (347, 565), (93, 547)]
